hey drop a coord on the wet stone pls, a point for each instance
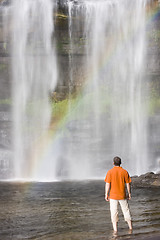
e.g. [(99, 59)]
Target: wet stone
[(146, 180)]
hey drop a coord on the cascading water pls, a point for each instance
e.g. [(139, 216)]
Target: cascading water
[(34, 76), (108, 115)]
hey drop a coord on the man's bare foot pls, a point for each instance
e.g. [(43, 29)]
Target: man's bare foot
[(130, 231), (115, 233), (129, 225), (115, 227)]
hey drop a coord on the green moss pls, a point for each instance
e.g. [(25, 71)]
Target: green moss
[(81, 106), (153, 100), (2, 66), (59, 46), (5, 101), (60, 108), (154, 106), (61, 16)]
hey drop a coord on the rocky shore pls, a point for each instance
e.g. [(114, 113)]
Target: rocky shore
[(149, 179)]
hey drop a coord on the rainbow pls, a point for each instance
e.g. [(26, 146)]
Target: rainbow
[(57, 127)]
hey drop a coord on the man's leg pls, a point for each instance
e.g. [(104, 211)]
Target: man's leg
[(126, 212), (114, 213)]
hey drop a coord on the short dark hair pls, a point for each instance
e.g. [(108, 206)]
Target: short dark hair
[(117, 161)]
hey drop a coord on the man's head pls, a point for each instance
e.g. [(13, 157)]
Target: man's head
[(117, 161)]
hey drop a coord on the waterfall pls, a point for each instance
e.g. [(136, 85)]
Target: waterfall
[(110, 117), (34, 76), (107, 116)]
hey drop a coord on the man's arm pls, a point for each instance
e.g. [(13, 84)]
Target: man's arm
[(129, 190), (107, 188)]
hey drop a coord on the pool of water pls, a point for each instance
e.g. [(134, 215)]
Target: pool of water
[(72, 210)]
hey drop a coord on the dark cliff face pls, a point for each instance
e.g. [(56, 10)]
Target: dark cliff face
[(5, 2), (153, 42), (153, 78)]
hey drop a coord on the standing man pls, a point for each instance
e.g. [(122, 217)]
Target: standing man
[(115, 192)]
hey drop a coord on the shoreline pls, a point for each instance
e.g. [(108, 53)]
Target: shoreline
[(147, 180)]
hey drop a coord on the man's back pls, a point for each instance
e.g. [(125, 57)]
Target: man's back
[(117, 177), (115, 192)]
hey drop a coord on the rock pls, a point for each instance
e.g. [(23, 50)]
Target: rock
[(146, 180), (147, 175), (156, 183)]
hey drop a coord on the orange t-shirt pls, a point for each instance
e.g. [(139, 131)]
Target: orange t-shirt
[(117, 177)]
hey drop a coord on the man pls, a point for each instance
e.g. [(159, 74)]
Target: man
[(115, 193)]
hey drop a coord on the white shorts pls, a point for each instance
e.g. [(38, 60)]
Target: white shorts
[(114, 209)]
